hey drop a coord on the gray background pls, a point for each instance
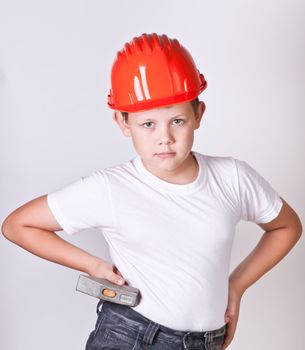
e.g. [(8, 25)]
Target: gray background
[(55, 127)]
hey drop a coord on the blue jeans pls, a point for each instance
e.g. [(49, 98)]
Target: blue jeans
[(120, 327)]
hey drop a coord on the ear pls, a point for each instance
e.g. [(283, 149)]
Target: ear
[(120, 120), (200, 110)]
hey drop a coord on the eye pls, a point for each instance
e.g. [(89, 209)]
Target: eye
[(147, 123), (180, 123), (180, 120)]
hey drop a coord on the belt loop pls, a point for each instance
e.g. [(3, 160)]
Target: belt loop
[(98, 305), (150, 332), (184, 339), (208, 338)]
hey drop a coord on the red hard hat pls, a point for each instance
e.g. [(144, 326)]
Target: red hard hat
[(153, 71)]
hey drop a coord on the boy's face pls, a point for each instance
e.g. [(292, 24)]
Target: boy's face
[(164, 129)]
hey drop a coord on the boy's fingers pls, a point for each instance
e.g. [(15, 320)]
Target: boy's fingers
[(118, 273), (231, 327), (118, 280), (114, 278), (116, 270)]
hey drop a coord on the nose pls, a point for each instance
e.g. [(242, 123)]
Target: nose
[(165, 136)]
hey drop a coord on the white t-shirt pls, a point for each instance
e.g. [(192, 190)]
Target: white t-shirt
[(171, 241)]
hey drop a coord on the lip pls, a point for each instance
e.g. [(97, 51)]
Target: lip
[(166, 154)]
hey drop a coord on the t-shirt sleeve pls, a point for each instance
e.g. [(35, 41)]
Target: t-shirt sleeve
[(259, 201), (83, 204)]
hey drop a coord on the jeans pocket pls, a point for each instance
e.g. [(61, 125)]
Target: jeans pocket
[(98, 323), (95, 334), (121, 337), (217, 342)]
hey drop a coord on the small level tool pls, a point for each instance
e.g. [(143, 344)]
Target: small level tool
[(108, 291)]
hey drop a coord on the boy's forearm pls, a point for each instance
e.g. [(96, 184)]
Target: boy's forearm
[(272, 248), (48, 245)]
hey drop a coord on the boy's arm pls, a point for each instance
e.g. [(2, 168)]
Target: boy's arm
[(32, 227), (281, 235)]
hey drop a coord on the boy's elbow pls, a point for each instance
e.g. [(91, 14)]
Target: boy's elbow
[(295, 228), (299, 228), (6, 228)]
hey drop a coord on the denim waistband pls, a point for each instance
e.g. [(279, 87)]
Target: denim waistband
[(150, 328)]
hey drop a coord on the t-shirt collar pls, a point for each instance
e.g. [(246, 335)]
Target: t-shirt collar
[(178, 188)]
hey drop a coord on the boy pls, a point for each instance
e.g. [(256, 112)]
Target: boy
[(168, 215)]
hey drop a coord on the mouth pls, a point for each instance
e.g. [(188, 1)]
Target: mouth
[(166, 154)]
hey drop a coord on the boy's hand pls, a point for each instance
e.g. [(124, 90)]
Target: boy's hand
[(231, 316), (103, 269)]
